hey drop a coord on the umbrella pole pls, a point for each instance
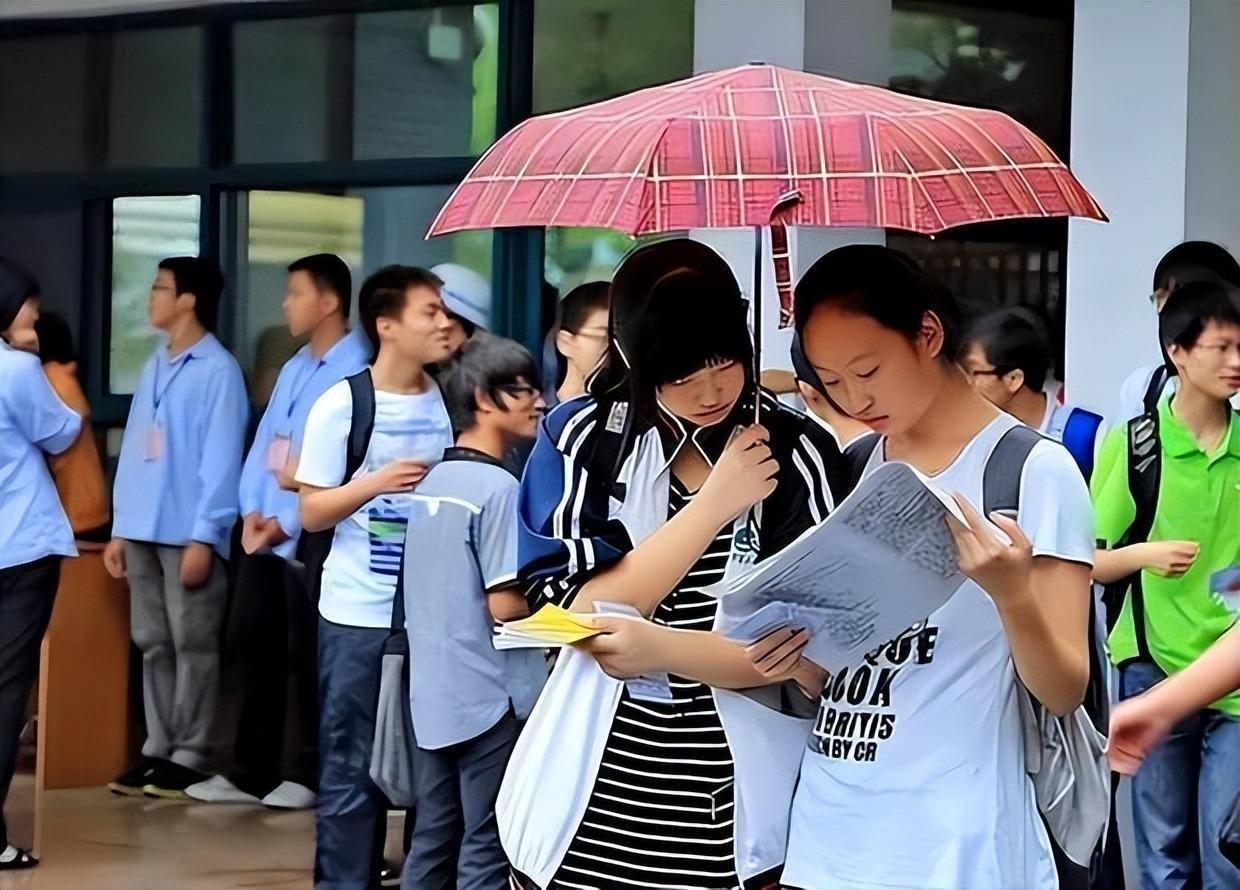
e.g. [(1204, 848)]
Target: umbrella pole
[(756, 309)]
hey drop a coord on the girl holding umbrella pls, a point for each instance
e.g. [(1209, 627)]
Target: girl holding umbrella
[(640, 765)]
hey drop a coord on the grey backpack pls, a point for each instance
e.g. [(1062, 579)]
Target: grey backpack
[(1064, 756)]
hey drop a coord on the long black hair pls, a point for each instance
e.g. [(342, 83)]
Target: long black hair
[(676, 308)]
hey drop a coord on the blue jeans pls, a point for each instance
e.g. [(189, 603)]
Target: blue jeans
[(455, 843), (351, 821), (1181, 795)]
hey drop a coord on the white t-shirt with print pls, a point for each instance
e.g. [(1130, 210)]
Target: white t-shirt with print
[(359, 575), (915, 771)]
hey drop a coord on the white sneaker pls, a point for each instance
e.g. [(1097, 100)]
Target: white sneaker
[(218, 789), (291, 796)]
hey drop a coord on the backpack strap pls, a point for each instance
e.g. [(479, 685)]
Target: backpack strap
[(1001, 494), (398, 640), (361, 428), (361, 423), (1080, 433), (314, 547), (1153, 391), (1144, 477), (1001, 481)]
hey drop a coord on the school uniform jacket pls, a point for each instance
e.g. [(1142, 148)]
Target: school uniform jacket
[(573, 524)]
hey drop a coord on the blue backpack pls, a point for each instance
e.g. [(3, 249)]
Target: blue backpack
[(1080, 432)]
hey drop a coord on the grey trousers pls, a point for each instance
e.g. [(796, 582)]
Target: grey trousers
[(179, 633), (455, 843)]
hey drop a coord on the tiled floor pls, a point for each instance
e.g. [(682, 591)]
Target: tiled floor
[(92, 839)]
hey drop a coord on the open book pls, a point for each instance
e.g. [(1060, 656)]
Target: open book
[(881, 562)]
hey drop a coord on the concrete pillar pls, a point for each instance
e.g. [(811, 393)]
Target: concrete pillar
[(851, 41), (1212, 187), (843, 38), (1156, 138)]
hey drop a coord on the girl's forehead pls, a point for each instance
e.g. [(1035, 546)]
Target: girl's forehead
[(842, 336)]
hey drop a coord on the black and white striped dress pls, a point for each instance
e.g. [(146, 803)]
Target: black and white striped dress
[(662, 813)]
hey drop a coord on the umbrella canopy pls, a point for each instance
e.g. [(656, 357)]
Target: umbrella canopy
[(720, 149)]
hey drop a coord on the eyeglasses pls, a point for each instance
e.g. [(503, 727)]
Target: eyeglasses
[(988, 372)]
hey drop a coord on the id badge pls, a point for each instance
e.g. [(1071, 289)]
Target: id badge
[(277, 452), (154, 448), (655, 688)]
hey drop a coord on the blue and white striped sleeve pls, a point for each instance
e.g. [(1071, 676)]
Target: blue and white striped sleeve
[(564, 533), (810, 468)]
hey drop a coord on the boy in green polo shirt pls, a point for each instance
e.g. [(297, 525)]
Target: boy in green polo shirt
[(1170, 617)]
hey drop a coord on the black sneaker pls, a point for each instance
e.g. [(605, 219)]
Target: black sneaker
[(169, 781), (130, 784)]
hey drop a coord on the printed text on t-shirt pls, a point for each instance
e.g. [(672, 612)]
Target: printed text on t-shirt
[(855, 716)]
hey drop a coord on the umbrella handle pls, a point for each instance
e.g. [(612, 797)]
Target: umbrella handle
[(780, 254), (781, 257), (783, 284)]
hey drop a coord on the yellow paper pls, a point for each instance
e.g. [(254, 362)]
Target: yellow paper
[(553, 625)]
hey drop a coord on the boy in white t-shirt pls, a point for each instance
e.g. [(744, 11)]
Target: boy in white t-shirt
[(403, 315)]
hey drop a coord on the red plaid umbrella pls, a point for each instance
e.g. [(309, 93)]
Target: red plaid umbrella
[(721, 149)]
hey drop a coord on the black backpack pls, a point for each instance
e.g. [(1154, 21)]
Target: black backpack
[(313, 548)]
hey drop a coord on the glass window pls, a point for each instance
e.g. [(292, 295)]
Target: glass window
[(1017, 62), (403, 83), (1018, 264), (575, 256), (123, 99), (367, 228), (145, 230), (155, 98), (43, 103), (1011, 60), (586, 50)]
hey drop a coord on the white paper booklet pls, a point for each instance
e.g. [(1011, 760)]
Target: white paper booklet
[(881, 562)]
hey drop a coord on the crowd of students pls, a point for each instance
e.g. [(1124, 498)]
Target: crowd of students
[(407, 483)]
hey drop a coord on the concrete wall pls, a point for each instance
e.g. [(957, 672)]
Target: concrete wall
[(842, 38), (1129, 120), (1212, 190)]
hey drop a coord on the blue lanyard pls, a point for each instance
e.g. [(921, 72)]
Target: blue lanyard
[(157, 394), (292, 402)]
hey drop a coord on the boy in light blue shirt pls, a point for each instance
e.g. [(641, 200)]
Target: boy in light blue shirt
[(467, 699), (175, 505), (272, 618), (34, 532)]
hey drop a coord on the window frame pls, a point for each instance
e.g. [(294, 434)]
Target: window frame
[(517, 253)]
